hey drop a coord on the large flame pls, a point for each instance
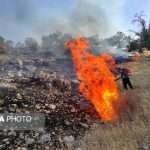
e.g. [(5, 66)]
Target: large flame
[(97, 82)]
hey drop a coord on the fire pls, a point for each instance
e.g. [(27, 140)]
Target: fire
[(97, 82)]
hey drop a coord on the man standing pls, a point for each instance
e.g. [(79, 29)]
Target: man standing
[(124, 72)]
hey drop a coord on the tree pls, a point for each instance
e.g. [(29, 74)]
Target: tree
[(9, 44), (2, 45), (134, 45), (144, 33), (54, 43), (49, 42), (120, 40), (19, 45), (93, 41), (32, 44)]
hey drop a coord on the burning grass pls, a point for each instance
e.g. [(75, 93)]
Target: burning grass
[(132, 127), (133, 130), (97, 82)]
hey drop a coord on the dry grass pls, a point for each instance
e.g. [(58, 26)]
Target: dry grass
[(132, 132)]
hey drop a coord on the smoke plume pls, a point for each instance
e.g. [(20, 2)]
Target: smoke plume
[(20, 19)]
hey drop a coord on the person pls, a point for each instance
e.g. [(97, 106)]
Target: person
[(124, 72)]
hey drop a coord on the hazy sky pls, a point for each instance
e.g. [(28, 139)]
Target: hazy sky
[(33, 18)]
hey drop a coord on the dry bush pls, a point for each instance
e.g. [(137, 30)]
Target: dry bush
[(128, 104), (126, 134)]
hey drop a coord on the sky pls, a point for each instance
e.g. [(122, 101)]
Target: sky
[(20, 19)]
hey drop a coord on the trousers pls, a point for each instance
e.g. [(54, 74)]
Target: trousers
[(126, 81)]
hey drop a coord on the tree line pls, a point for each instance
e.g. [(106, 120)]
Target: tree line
[(54, 42)]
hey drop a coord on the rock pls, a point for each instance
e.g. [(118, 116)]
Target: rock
[(18, 111), (73, 110), (52, 106), (46, 105), (19, 74), (10, 74), (15, 100), (1, 109), (23, 148), (20, 63), (5, 130), (45, 138), (47, 148), (1, 102), (1, 146), (30, 141), (12, 134), (21, 136), (6, 140), (60, 140), (78, 148), (69, 141), (12, 110), (37, 134), (31, 68), (18, 96), (75, 83), (25, 106), (67, 122), (37, 107), (18, 148), (53, 133), (143, 147), (47, 112), (43, 107), (41, 130), (84, 125), (14, 105), (7, 143)]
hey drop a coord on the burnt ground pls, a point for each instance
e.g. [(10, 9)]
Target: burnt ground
[(35, 83)]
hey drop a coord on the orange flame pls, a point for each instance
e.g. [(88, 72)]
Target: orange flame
[(97, 82)]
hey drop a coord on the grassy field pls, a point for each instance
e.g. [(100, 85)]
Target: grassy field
[(132, 132)]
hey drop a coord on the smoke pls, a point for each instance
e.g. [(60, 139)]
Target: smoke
[(114, 51), (20, 19), (17, 19), (86, 19)]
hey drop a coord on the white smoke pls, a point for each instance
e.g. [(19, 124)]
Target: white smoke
[(20, 18), (88, 18)]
